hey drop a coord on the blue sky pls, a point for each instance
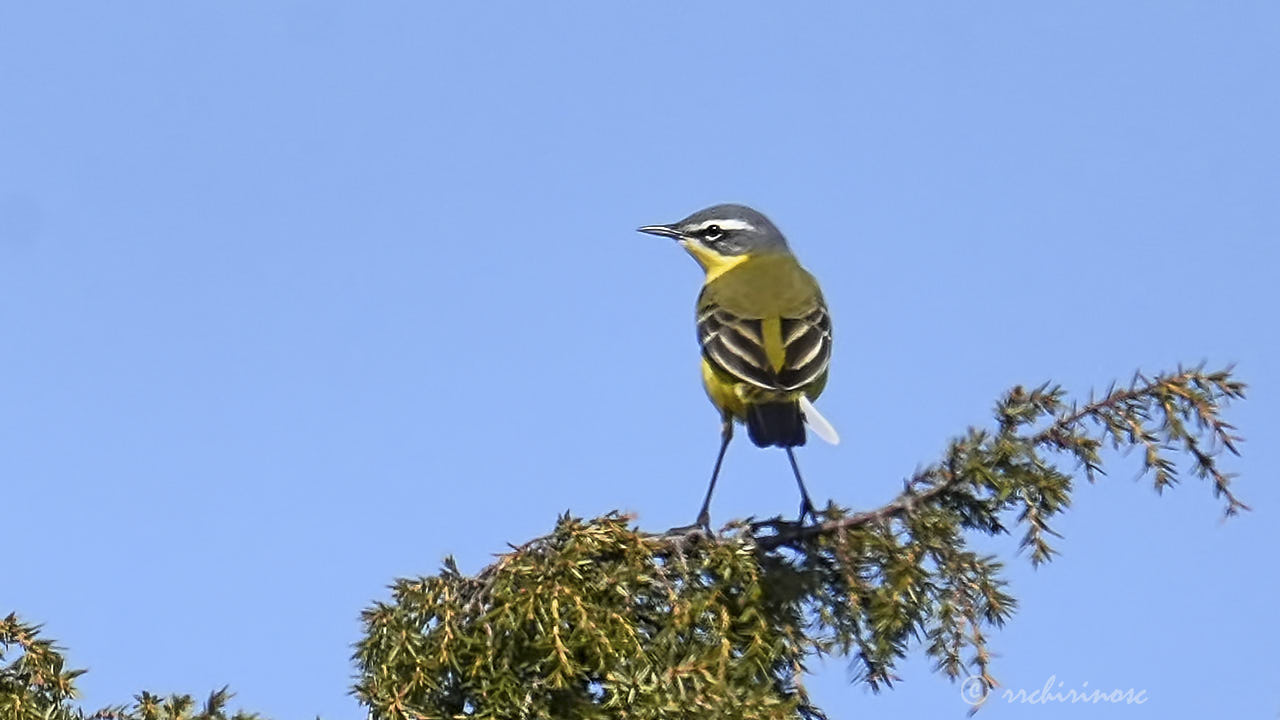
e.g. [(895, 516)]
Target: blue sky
[(296, 298)]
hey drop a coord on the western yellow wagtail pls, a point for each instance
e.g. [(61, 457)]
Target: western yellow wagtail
[(764, 330)]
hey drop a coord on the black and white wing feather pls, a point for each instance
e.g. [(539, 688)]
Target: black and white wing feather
[(738, 346), (806, 342)]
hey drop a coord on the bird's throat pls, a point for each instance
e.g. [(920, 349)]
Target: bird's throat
[(712, 262)]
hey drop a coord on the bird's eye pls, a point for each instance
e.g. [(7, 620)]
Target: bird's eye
[(712, 232)]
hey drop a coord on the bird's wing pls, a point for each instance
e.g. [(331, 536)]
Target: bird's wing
[(781, 353), (735, 345), (807, 341)]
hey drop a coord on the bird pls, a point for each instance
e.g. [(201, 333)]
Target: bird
[(764, 331)]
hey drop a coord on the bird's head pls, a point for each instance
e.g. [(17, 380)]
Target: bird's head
[(723, 235)]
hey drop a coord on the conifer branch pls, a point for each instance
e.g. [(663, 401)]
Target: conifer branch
[(601, 620), (1121, 417), (600, 615)]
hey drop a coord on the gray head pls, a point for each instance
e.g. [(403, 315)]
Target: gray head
[(725, 230)]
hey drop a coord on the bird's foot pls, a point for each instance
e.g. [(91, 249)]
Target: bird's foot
[(703, 525), (704, 522), (689, 529), (807, 511)]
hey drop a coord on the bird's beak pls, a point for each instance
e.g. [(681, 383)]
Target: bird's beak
[(663, 230)]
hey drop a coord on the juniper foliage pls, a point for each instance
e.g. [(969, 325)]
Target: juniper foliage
[(601, 620), (36, 685)]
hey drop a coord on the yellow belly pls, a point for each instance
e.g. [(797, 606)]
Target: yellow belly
[(721, 390)]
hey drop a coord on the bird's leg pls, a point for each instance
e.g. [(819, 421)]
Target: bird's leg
[(806, 505), (704, 515)]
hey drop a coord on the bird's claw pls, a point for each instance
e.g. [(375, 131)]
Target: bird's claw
[(807, 511), (704, 522)]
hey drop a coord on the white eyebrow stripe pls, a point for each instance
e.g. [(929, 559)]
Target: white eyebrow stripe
[(728, 224)]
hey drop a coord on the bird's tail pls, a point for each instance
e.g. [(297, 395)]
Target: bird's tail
[(818, 424), (775, 423)]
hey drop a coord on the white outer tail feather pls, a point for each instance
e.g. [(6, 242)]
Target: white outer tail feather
[(819, 424)]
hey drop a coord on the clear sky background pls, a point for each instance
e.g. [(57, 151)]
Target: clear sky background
[(297, 298)]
